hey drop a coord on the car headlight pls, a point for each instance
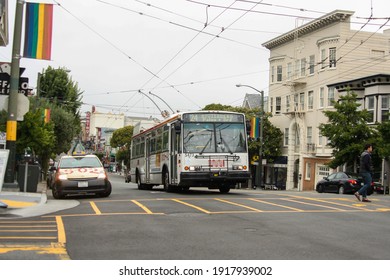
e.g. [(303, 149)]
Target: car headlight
[(62, 177), (102, 175)]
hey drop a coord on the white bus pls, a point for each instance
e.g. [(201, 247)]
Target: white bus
[(192, 149)]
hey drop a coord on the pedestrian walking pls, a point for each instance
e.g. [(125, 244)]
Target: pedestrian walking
[(365, 173)]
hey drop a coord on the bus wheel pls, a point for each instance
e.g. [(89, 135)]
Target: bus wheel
[(165, 182), (224, 189)]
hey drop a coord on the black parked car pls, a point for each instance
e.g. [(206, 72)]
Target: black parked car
[(51, 174), (341, 182)]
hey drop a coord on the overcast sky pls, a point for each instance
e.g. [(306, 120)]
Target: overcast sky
[(172, 48)]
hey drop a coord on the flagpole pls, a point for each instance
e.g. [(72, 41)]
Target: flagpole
[(13, 96)]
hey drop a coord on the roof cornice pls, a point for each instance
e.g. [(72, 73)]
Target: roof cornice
[(312, 26)]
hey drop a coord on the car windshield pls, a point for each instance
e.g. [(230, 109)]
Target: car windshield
[(77, 162)]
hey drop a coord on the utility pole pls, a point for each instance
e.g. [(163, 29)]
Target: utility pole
[(13, 97), (259, 174)]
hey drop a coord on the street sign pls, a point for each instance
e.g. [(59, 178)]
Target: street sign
[(23, 105), (5, 84)]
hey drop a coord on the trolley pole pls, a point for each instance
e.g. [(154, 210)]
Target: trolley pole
[(13, 96)]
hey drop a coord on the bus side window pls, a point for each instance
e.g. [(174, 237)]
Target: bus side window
[(165, 139)]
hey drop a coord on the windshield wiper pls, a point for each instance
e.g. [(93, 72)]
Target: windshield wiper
[(208, 142)]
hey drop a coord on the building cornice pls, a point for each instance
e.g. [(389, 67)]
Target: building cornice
[(313, 26)]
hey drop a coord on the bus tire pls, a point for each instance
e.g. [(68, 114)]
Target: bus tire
[(224, 189), (165, 181)]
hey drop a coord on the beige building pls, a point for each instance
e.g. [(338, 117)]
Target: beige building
[(303, 63)]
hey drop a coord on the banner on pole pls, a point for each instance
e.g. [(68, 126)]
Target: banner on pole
[(38, 31)]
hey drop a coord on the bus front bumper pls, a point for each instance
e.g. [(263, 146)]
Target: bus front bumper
[(213, 178)]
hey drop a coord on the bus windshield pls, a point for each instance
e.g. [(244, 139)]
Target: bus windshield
[(214, 138)]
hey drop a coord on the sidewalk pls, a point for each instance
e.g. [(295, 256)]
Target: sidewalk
[(27, 204)]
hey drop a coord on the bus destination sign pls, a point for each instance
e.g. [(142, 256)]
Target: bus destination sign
[(212, 117)]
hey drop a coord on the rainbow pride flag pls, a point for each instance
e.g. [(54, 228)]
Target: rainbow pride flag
[(46, 115), (255, 124), (38, 31)]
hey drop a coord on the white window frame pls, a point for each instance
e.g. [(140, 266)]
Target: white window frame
[(308, 171), (288, 103), (321, 98), (279, 73), (385, 108), (332, 57), (289, 71), (302, 101), (323, 58), (303, 67), (278, 105), (309, 135), (310, 100), (331, 96), (286, 132), (311, 64), (370, 106)]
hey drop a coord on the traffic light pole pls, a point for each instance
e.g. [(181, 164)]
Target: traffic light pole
[(9, 177)]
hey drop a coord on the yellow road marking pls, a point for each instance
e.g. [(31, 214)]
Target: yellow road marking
[(61, 230), (27, 222), (53, 248), (383, 209), (104, 214), (335, 203), (279, 205), (28, 230), (28, 237), (10, 226), (240, 205), (95, 208), (18, 204), (146, 209), (312, 204), (191, 205)]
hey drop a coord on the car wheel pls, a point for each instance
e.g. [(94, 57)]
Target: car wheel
[(57, 194), (107, 192), (341, 189), (320, 188)]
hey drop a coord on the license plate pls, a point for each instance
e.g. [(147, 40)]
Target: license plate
[(83, 184)]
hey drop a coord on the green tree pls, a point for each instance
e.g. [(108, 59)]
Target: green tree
[(347, 130), (64, 128), (33, 132), (121, 139), (383, 144), (56, 86)]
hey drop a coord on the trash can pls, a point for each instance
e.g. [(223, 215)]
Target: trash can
[(33, 172)]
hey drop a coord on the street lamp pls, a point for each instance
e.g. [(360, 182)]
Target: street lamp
[(260, 173)]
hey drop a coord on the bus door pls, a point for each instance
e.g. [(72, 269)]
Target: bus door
[(147, 160), (173, 151)]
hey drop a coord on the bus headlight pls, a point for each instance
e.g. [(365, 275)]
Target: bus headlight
[(192, 168), (239, 167)]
